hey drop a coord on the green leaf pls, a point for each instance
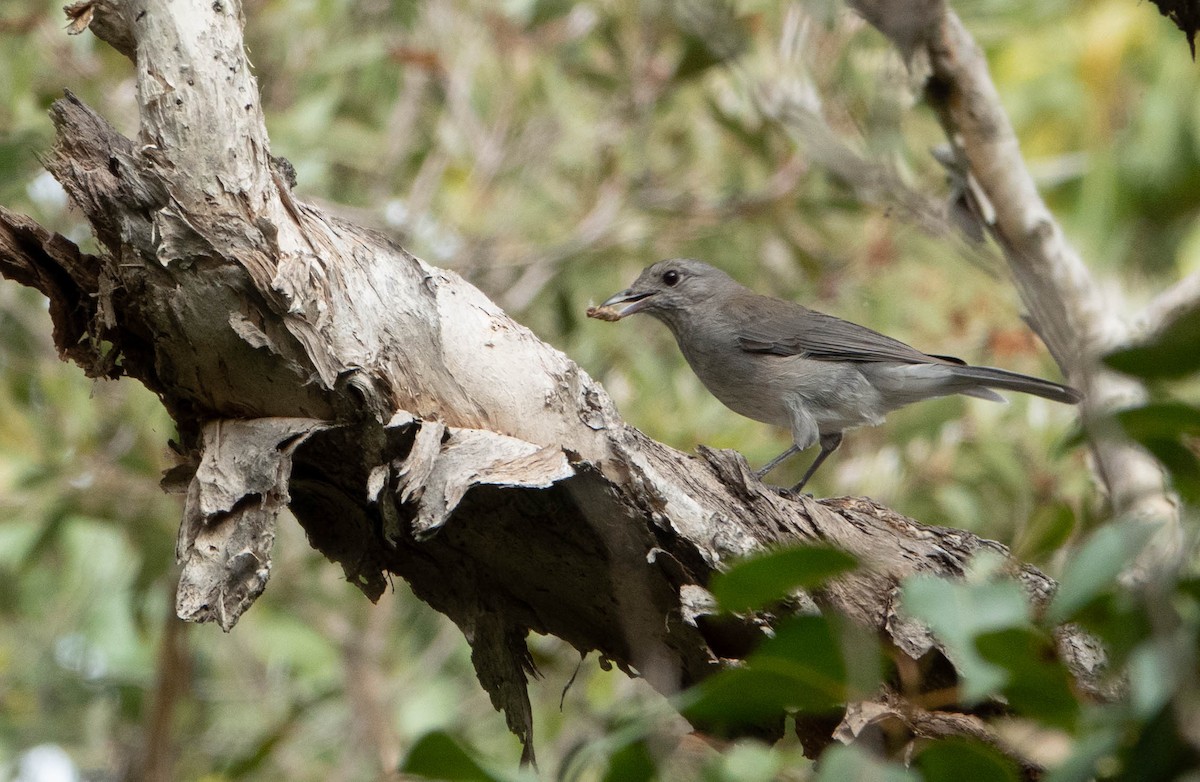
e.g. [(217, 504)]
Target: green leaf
[(851, 764), (1094, 569), (801, 668), (631, 763), (1160, 420), (957, 759), (1119, 620), (1159, 752), (807, 649), (737, 698), (765, 578), (1170, 354), (1038, 685), (438, 756), (957, 613), (1154, 669)]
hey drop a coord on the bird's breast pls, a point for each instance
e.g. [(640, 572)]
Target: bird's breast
[(743, 382), (771, 388)]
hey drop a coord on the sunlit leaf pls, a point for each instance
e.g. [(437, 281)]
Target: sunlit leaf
[(957, 612), (1153, 675), (1095, 567)]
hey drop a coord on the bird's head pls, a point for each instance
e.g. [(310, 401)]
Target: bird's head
[(666, 289)]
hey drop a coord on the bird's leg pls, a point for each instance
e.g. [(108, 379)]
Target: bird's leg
[(829, 444), (771, 465)]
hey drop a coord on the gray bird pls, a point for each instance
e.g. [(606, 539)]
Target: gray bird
[(786, 365)]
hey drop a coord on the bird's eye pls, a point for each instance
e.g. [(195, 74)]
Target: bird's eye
[(670, 277)]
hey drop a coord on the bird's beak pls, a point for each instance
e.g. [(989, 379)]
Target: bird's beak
[(627, 302)]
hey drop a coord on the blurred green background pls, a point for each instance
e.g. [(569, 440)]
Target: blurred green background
[(547, 150)]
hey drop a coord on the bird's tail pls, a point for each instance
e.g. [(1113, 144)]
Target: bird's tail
[(990, 377)]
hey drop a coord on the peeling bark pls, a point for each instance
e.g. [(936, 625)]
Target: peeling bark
[(410, 425), (228, 526)]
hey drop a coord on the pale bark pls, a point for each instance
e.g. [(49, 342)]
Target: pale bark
[(409, 424)]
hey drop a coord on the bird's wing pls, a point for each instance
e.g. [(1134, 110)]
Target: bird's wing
[(792, 330)]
